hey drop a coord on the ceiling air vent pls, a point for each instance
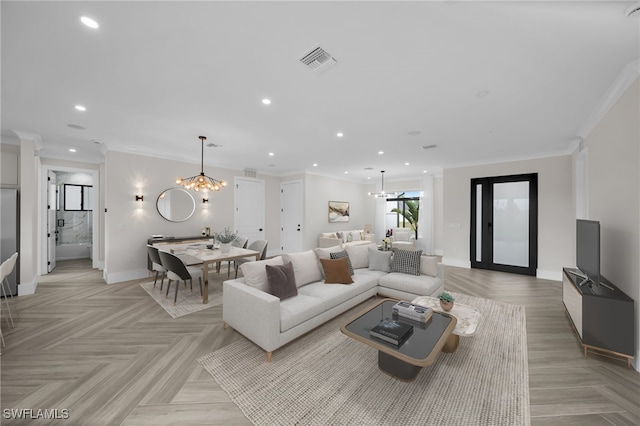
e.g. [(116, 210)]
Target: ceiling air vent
[(429, 146), (318, 60), (251, 173)]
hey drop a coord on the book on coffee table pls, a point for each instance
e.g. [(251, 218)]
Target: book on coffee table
[(391, 331), (415, 312)]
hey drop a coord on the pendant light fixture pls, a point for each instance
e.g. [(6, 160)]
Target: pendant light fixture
[(383, 194), (201, 182)]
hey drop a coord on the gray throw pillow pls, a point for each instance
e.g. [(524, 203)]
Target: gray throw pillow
[(379, 260), (340, 255), (281, 280), (406, 261)]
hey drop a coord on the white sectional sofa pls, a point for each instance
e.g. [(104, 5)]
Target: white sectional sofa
[(338, 238), (270, 323)]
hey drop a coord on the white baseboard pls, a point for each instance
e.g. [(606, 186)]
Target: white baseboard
[(98, 264), (456, 262), (119, 277), (549, 275), (25, 289)]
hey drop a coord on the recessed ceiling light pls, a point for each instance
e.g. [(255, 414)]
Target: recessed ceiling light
[(315, 164), (89, 22), (81, 108), (72, 150), (406, 164), (271, 154), (424, 171), (339, 134), (266, 101), (380, 152), (346, 172)]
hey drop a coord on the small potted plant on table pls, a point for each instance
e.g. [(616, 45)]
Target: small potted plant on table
[(446, 301), (226, 237)]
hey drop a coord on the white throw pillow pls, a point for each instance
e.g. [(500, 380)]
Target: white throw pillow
[(379, 260), (305, 267), (325, 253), (255, 273), (359, 254), (429, 265), (356, 236)]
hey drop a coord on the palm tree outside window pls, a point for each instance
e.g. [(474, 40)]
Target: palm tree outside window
[(403, 212)]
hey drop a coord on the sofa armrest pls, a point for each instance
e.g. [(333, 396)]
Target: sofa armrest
[(324, 242), (252, 312)]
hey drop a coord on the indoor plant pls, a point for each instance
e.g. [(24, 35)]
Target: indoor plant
[(226, 237), (446, 301)]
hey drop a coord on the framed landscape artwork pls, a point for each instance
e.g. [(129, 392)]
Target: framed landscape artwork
[(338, 211)]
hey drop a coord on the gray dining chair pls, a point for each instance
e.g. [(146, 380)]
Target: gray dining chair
[(257, 245), (177, 271), (238, 242), (156, 264)]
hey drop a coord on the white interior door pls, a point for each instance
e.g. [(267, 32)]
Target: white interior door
[(291, 216), (249, 212), (52, 204)]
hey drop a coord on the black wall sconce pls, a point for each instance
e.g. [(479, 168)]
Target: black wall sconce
[(139, 198), (205, 200)]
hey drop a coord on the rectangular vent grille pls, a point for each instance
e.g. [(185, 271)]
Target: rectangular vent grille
[(250, 173), (318, 59)]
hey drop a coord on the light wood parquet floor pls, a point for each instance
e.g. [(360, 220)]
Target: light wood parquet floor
[(110, 355)]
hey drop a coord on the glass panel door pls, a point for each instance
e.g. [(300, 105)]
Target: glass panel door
[(504, 223), (511, 223)]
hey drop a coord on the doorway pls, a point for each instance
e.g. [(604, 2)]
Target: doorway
[(69, 221), (504, 223)]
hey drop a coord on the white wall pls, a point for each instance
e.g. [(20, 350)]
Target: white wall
[(556, 218), (614, 196), (318, 191), (129, 223)]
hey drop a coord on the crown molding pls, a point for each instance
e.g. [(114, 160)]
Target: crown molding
[(624, 80)]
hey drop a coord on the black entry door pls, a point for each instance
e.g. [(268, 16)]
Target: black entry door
[(504, 223)]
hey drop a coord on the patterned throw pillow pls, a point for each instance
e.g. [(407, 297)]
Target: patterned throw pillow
[(340, 255), (406, 261)]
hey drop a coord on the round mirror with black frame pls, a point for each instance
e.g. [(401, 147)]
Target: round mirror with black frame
[(176, 205)]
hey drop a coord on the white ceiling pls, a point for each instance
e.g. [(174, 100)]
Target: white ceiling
[(156, 75)]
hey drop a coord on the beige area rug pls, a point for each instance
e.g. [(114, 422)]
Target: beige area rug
[(188, 301), (326, 378)]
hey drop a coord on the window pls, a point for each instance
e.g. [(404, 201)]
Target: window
[(402, 212), (77, 197)]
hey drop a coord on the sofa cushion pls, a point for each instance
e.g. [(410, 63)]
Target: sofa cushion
[(334, 295), (340, 255), (406, 261), (356, 236), (281, 280), (379, 260), (429, 265), (336, 271), (296, 310), (423, 285), (255, 274), (325, 253), (359, 254), (305, 266)]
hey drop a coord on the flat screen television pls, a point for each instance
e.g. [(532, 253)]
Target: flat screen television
[(588, 249)]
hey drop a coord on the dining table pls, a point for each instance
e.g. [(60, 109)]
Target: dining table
[(196, 254)]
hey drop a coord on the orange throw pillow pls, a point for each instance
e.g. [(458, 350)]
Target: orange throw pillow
[(336, 271)]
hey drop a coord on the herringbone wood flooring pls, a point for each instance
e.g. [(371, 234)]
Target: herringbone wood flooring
[(110, 355)]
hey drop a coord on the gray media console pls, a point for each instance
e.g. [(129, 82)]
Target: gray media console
[(602, 317)]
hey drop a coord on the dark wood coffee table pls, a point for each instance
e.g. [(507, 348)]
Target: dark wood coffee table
[(421, 349)]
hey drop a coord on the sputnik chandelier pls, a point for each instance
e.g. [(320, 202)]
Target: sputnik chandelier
[(201, 182)]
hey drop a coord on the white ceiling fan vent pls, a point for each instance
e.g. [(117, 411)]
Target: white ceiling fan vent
[(318, 59)]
